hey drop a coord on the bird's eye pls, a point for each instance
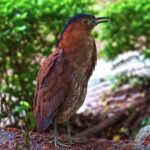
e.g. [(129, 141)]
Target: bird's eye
[(85, 21)]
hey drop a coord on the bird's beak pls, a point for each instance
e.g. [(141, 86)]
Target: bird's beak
[(101, 20)]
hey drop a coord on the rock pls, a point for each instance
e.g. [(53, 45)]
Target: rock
[(143, 138)]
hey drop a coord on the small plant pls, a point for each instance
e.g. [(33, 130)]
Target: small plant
[(134, 80)]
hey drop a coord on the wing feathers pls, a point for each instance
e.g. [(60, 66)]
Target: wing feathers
[(49, 94)]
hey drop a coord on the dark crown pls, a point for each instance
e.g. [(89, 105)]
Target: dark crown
[(76, 17)]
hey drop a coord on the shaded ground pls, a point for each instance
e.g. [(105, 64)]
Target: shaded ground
[(16, 139)]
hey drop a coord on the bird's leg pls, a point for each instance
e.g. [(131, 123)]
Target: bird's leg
[(55, 133), (56, 140), (69, 133), (70, 139)]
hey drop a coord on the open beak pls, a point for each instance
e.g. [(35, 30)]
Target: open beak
[(101, 20)]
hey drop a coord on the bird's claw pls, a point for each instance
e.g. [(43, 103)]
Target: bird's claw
[(63, 144)]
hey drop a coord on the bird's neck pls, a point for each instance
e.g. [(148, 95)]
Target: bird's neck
[(72, 38)]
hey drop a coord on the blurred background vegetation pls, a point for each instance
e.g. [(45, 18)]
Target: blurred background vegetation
[(28, 32), (129, 29)]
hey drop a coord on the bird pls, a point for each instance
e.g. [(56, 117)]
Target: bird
[(63, 78)]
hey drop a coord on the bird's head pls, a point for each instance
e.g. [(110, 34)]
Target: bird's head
[(82, 23)]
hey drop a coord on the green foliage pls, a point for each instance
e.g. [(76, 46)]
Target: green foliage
[(146, 53), (128, 29), (28, 29), (145, 121), (134, 80), (24, 106)]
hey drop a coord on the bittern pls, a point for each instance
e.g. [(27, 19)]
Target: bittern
[(63, 78)]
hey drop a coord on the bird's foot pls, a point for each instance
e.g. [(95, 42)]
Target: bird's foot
[(69, 141), (75, 140), (62, 143)]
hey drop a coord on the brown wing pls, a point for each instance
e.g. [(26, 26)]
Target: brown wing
[(50, 91)]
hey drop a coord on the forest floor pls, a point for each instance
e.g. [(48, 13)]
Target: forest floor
[(15, 139)]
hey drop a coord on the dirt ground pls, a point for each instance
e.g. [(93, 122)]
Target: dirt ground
[(15, 139)]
